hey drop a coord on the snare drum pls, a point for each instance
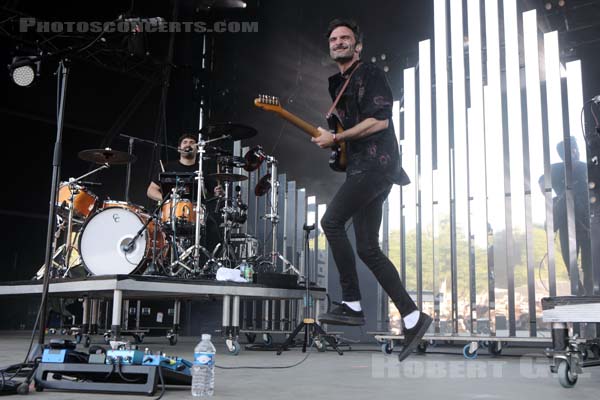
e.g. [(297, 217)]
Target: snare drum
[(84, 201), (105, 236)]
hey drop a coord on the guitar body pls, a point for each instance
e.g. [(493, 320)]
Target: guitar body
[(337, 159)]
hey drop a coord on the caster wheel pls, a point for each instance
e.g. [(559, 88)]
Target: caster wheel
[(432, 343), (138, 339), (39, 388), (387, 348), (78, 339), (566, 378), (52, 331), (107, 339), (88, 341), (23, 388), (422, 348), (321, 347), (235, 348), (495, 349), (267, 339), (173, 340), (251, 337), (63, 331), (467, 352)]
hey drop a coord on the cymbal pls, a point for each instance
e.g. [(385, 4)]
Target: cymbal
[(228, 177), (106, 156), (233, 130)]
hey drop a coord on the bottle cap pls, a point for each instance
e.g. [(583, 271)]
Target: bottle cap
[(205, 336)]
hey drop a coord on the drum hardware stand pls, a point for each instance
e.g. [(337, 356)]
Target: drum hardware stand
[(273, 216), (72, 191), (196, 248), (312, 329)]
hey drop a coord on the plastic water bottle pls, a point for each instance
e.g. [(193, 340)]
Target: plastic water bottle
[(203, 370)]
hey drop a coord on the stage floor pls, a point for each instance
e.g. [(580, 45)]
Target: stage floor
[(363, 373)]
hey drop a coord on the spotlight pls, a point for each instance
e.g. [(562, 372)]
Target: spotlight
[(373, 59), (24, 70), (561, 3), (383, 57), (548, 6), (386, 68)]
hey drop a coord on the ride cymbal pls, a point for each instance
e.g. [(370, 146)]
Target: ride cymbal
[(106, 156)]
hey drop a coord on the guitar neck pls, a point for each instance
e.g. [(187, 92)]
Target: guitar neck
[(299, 122)]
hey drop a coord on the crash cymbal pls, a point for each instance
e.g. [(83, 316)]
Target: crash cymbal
[(263, 186), (106, 156), (233, 130), (226, 177)]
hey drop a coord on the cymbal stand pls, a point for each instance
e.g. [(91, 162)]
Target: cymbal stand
[(273, 216), (195, 249), (72, 191)]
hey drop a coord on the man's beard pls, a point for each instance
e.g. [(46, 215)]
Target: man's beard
[(188, 152), (344, 56)]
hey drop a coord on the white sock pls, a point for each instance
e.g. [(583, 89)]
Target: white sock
[(411, 319), (354, 305)]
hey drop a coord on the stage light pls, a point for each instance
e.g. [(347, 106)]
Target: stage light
[(24, 70), (373, 59), (383, 57), (386, 68)]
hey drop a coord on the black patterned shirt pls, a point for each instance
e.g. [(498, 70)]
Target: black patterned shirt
[(368, 95)]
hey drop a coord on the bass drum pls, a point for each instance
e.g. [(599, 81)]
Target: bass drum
[(105, 236)]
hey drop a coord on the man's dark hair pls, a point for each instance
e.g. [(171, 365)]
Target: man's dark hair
[(348, 23), (186, 136), (560, 146)]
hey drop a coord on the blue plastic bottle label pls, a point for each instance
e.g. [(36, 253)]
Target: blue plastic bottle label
[(204, 358)]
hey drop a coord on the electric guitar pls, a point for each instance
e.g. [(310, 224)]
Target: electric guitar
[(337, 160)]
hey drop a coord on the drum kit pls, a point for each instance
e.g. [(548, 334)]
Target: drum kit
[(118, 237)]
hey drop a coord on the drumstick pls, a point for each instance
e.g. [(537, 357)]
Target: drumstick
[(162, 167)]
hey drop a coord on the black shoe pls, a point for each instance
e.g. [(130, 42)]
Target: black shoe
[(343, 315), (413, 336)]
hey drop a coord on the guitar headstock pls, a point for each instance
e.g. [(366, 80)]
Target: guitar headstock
[(269, 103)]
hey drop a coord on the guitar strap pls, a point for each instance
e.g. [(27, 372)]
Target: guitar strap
[(342, 91)]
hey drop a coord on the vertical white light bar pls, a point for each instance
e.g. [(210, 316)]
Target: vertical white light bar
[(553, 93), (494, 149), (515, 129), (394, 197), (575, 100), (461, 172), (426, 156), (441, 185), (476, 129), (409, 158), (534, 114)]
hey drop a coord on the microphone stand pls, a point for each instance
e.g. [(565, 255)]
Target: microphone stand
[(62, 76)]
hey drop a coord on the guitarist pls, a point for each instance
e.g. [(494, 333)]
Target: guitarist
[(364, 106)]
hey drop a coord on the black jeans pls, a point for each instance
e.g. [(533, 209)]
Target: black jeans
[(361, 198)]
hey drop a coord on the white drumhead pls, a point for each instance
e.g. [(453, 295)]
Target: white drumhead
[(102, 240)]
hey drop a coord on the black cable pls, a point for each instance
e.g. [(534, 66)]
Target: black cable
[(162, 382), (272, 367), (120, 372)]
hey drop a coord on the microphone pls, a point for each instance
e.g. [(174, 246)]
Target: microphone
[(128, 247), (86, 183)]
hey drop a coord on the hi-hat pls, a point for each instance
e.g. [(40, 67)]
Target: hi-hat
[(227, 177), (233, 130), (106, 156)]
